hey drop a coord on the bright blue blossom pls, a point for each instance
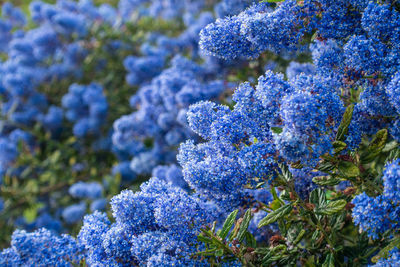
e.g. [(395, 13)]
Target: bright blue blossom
[(161, 219), (90, 190), (41, 248), (376, 215), (13, 14), (74, 213), (392, 260), (87, 107)]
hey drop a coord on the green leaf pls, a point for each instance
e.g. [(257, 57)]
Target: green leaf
[(54, 158), (297, 165), (204, 239), (326, 180), (338, 221), (275, 204), (315, 236), (390, 146), (275, 215), (379, 141), (344, 125), (229, 222), (250, 240), (318, 197), (299, 237), (271, 1), (244, 225), (276, 130), (310, 262), (394, 154), (314, 36), (286, 174), (326, 166), (332, 207), (329, 261), (219, 253), (385, 251), (30, 213), (274, 194), (375, 147), (348, 169), (339, 146), (259, 185)]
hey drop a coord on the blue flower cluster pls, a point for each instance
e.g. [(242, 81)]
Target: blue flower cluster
[(92, 191), (74, 213), (231, 7), (242, 146), (257, 29), (166, 9), (364, 63), (376, 215), (143, 68), (155, 226), (41, 248), (392, 260), (160, 118), (87, 107), (171, 174), (13, 14)]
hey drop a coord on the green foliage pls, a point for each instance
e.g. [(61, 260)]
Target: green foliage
[(344, 125), (275, 215)]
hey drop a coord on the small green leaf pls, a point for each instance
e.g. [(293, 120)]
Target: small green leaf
[(54, 158), (259, 185), (332, 207), (299, 237), (250, 240), (394, 154), (390, 146), (326, 166), (339, 146), (286, 174), (275, 204), (314, 36), (271, 1), (244, 225), (375, 147), (297, 165), (318, 197), (219, 253), (235, 230), (229, 222), (315, 237), (329, 261), (348, 169), (31, 213), (385, 251), (204, 239), (326, 180), (310, 262), (276, 130), (344, 125), (275, 215), (379, 141)]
